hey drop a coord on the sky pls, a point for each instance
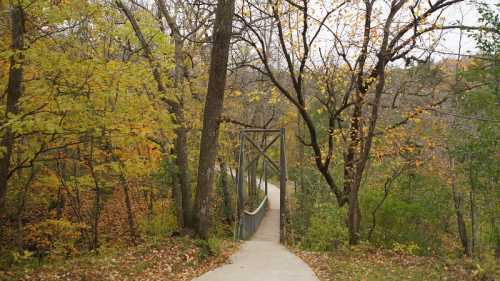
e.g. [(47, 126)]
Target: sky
[(470, 18)]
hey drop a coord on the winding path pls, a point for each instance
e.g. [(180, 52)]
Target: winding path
[(263, 258)]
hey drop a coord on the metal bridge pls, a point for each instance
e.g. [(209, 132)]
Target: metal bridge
[(248, 221)]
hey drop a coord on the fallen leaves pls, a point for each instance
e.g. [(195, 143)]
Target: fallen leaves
[(378, 264), (172, 259)]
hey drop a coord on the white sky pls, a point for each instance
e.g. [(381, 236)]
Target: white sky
[(470, 16)]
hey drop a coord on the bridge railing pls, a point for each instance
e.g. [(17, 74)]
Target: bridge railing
[(250, 221)]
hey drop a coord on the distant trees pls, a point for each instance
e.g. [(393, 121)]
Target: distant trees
[(363, 42), (474, 138)]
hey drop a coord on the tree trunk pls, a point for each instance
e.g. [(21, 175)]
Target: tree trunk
[(182, 192), (150, 201), (354, 216), (96, 212), (20, 210), (387, 186), (462, 228), (13, 92), (351, 183), (473, 211), (457, 200), (301, 152), (473, 220), (495, 224), (226, 197), (212, 112), (128, 204), (60, 203), (182, 172), (177, 197), (181, 145)]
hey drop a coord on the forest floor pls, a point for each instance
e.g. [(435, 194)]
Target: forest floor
[(364, 264), (171, 259)]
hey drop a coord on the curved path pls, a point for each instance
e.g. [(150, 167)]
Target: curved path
[(263, 258)]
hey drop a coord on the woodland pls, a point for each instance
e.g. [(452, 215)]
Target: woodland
[(118, 118)]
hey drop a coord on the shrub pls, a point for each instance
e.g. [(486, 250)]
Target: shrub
[(159, 225), (406, 249), (214, 245), (8, 258), (327, 229), (414, 213), (54, 238), (206, 248)]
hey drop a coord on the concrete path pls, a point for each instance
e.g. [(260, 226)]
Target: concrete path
[(263, 258)]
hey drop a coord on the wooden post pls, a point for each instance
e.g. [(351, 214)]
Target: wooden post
[(282, 186)]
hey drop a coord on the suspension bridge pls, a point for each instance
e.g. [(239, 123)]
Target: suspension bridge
[(262, 256)]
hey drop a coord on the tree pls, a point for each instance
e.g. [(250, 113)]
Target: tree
[(212, 113), (477, 118), (354, 74), (14, 92), (182, 190)]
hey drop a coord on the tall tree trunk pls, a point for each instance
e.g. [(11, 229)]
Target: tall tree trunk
[(301, 152), (212, 113), (226, 197), (387, 186), (150, 201), (60, 203), (473, 220), (20, 210), (96, 211), (354, 217), (182, 190), (494, 222), (473, 210), (128, 204), (457, 200), (182, 171), (181, 145), (351, 184), (13, 92), (177, 197), (61, 170)]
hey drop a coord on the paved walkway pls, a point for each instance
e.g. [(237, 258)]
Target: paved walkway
[(263, 258)]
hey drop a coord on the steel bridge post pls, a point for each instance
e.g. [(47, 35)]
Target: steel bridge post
[(247, 222), (240, 183), (282, 186), (265, 176)]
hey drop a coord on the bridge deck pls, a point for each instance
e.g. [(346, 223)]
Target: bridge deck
[(262, 257)]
